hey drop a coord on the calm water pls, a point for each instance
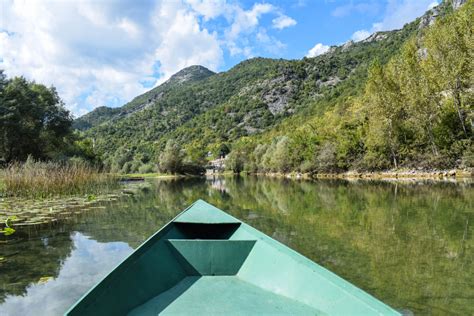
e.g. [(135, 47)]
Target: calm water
[(410, 245)]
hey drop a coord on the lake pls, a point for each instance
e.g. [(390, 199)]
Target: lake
[(410, 244)]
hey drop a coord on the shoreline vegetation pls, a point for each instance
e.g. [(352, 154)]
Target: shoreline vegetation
[(39, 179), (402, 174), (36, 194), (390, 175)]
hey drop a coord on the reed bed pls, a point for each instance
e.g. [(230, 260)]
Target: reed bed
[(45, 179)]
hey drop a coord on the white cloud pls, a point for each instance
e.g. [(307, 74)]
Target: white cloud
[(360, 35), (86, 265), (246, 21), (269, 43), (283, 21), (184, 41), (397, 14), (317, 50), (98, 52), (210, 9)]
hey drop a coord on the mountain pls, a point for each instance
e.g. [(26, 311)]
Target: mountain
[(258, 99), (101, 114)]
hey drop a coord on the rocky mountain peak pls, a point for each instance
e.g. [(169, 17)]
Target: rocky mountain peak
[(191, 73)]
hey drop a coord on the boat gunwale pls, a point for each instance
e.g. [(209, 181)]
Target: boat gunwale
[(136, 252), (334, 279)]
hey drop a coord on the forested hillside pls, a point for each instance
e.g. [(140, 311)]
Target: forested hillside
[(397, 99)]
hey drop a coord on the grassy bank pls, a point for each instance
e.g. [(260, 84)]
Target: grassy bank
[(45, 179), (146, 175)]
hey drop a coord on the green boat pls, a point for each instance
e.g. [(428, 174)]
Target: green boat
[(206, 262)]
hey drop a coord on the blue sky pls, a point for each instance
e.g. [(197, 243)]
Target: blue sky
[(107, 52)]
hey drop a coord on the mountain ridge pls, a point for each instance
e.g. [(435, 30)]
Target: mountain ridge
[(196, 70), (257, 95), (190, 74)]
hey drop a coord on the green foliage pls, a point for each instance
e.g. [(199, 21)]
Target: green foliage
[(147, 168), (171, 159), (34, 122), (215, 111), (415, 111), (8, 229), (235, 161), (399, 99)]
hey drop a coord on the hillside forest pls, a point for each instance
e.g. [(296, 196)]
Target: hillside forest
[(399, 99)]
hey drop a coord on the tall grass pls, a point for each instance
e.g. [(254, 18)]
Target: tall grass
[(45, 179)]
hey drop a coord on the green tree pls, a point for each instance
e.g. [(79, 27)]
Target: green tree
[(171, 159), (382, 97), (450, 55), (33, 121), (235, 161)]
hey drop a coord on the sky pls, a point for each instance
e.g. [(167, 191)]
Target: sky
[(106, 52)]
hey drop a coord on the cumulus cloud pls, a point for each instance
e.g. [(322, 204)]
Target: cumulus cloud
[(397, 14), (317, 50), (283, 21), (360, 35), (184, 42), (87, 264), (102, 53)]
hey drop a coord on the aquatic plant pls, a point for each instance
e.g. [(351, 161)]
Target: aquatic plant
[(44, 179), (7, 223)]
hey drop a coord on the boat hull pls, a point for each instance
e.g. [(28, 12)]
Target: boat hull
[(206, 262)]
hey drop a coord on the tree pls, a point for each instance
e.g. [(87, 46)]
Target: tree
[(33, 121), (223, 150), (422, 99), (449, 63), (277, 157), (235, 161), (382, 97), (171, 159), (326, 159)]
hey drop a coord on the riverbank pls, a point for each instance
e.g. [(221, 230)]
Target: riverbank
[(142, 176), (389, 175), (403, 174)]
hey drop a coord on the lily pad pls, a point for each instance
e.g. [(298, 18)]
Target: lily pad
[(44, 279)]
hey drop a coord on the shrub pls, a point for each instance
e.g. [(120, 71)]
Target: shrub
[(147, 168), (127, 167)]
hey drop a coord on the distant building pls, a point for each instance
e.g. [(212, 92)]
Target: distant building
[(216, 165)]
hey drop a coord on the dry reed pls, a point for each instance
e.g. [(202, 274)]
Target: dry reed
[(45, 179)]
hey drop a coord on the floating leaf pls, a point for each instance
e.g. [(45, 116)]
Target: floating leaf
[(44, 279), (7, 231)]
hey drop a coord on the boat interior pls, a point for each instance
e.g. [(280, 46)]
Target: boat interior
[(206, 262)]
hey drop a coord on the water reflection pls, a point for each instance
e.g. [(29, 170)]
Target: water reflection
[(88, 262), (408, 244)]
